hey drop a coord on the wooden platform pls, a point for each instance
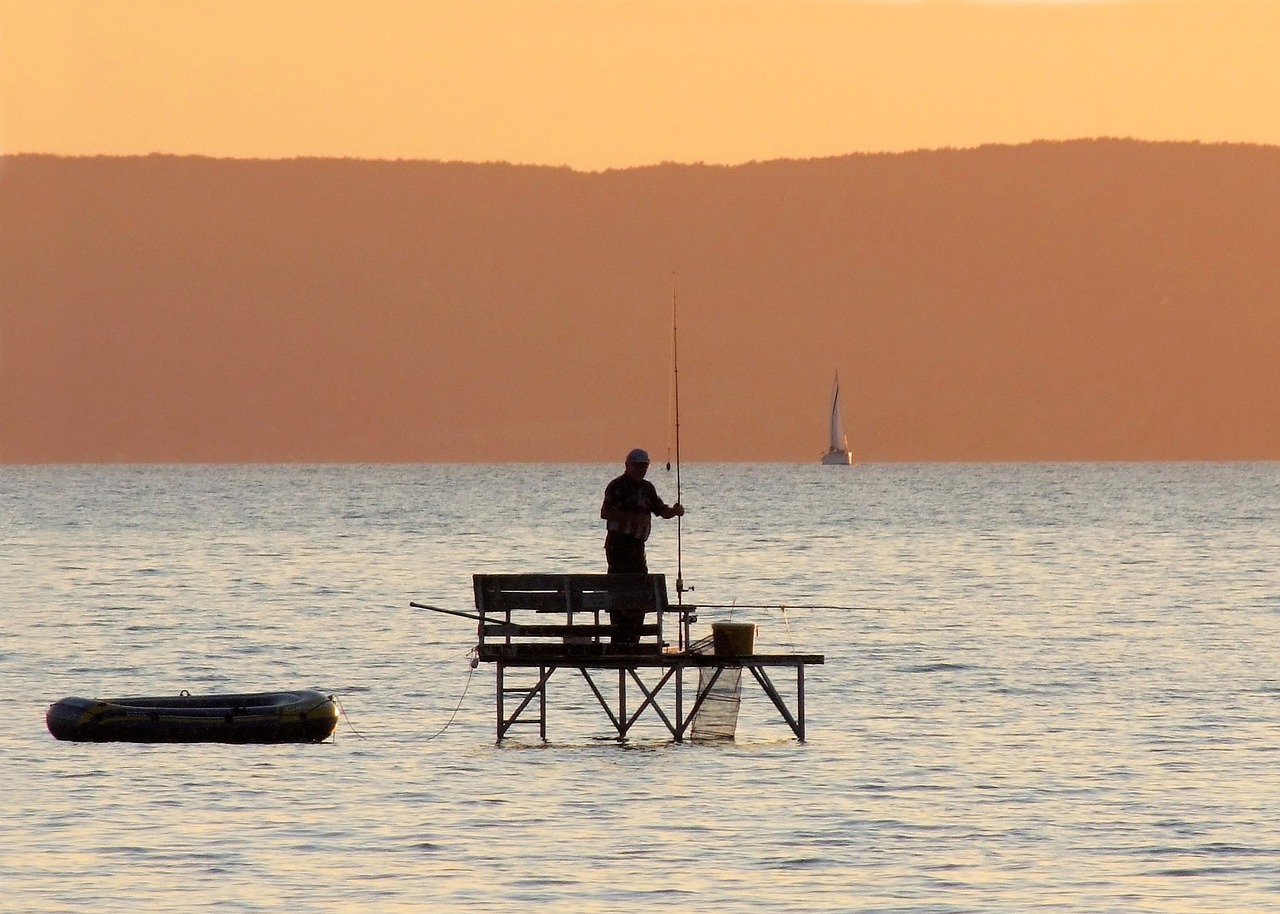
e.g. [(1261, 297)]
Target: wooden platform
[(536, 624)]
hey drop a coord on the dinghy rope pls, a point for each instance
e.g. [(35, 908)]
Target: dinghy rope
[(471, 671), (347, 717), (472, 664)]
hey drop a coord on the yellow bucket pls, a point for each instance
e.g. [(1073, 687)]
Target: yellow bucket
[(733, 639)]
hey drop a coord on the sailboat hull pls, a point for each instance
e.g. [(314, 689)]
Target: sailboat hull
[(837, 458)]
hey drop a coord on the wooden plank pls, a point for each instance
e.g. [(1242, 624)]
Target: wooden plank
[(759, 660), (649, 654), (524, 601), (540, 581), (595, 654), (519, 630), (555, 581), (648, 590), (562, 601), (562, 592)]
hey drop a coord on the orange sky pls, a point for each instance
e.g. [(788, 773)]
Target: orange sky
[(604, 83)]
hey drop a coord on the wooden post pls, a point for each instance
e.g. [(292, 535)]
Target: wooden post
[(542, 697), (622, 702), (800, 701), (501, 711)]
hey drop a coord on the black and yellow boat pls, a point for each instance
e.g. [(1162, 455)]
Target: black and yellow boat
[(263, 717)]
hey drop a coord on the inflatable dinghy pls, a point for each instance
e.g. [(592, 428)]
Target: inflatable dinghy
[(262, 717)]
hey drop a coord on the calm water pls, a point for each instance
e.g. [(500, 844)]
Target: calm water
[(1054, 688)]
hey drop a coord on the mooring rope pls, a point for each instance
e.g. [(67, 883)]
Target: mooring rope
[(473, 663), (338, 702)]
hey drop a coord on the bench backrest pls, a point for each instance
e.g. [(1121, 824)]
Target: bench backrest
[(552, 605)]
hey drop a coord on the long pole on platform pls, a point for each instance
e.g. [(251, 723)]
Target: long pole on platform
[(675, 373)]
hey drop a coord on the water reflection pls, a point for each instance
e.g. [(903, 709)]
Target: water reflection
[(1051, 686)]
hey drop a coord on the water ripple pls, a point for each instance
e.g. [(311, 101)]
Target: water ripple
[(1072, 706)]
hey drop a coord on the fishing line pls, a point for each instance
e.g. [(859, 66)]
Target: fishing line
[(785, 606)]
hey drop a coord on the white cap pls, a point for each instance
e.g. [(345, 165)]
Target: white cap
[(638, 455)]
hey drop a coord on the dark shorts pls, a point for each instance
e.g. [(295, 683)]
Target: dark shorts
[(625, 554)]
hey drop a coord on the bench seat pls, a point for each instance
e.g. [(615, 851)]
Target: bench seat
[(524, 614)]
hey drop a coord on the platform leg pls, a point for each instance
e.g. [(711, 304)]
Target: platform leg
[(800, 701), (796, 725), (527, 695), (542, 711), (622, 704), (679, 730), (499, 704)]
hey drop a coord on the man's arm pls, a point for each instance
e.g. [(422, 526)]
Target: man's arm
[(661, 508)]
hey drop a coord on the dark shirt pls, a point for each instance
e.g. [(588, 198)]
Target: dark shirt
[(633, 495)]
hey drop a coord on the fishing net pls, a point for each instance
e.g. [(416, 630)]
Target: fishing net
[(717, 718)]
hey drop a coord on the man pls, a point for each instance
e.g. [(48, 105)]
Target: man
[(630, 501)]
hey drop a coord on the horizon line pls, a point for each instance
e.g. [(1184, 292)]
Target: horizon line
[(400, 160)]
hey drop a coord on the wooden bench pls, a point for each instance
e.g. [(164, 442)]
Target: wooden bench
[(569, 616)]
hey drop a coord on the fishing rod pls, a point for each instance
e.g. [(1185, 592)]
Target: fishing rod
[(786, 606), (450, 612), (686, 621), (782, 606), (675, 373)]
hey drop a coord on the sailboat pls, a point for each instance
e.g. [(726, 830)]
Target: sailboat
[(838, 454)]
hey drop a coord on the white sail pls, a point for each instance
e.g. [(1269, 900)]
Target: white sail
[(838, 454), (839, 441)]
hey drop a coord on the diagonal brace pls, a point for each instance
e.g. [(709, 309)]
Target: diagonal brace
[(796, 723), (698, 702), (651, 699)]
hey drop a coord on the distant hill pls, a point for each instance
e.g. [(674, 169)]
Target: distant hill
[(1091, 300)]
